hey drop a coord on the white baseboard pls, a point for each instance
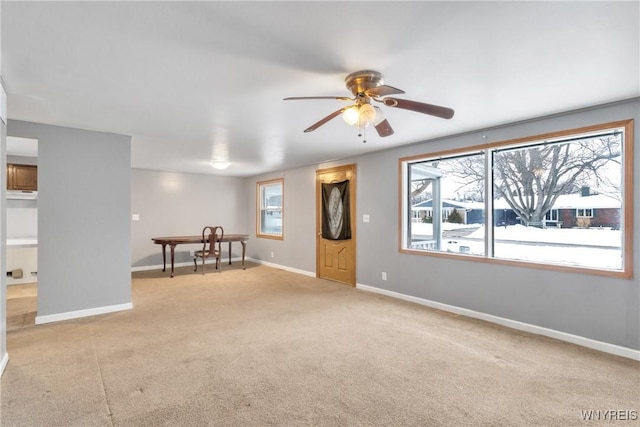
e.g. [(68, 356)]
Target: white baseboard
[(526, 327), (3, 363), (257, 261), (283, 267), (184, 264), (82, 313)]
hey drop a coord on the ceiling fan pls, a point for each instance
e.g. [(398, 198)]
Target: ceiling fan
[(368, 85)]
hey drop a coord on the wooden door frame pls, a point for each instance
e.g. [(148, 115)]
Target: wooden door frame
[(352, 213)]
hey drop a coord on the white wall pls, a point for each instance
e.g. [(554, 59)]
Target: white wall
[(25, 259), (22, 218)]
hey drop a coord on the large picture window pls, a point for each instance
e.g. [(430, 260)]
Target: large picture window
[(270, 208), (561, 200)]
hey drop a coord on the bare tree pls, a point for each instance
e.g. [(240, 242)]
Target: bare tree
[(465, 172), (531, 179), (419, 186), (468, 174)]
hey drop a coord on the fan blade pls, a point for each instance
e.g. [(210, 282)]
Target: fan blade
[(326, 119), (340, 98), (420, 107), (384, 128), (382, 90)]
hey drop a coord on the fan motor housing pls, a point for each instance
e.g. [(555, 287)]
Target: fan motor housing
[(359, 81)]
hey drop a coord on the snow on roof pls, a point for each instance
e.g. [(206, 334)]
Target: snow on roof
[(565, 201), (595, 201), (451, 203)]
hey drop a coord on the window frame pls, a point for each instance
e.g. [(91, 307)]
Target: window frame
[(626, 193), (584, 212), (551, 213), (260, 186)]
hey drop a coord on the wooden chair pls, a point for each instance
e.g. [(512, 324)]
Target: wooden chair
[(211, 248)]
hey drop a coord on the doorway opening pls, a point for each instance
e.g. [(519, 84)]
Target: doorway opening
[(22, 231)]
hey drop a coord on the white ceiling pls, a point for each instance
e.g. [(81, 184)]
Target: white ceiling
[(190, 81)]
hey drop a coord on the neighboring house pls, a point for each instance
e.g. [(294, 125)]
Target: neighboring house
[(471, 212), (585, 209)]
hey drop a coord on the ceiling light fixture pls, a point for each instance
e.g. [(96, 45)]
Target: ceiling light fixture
[(367, 114), (219, 164), (351, 115), (362, 115)]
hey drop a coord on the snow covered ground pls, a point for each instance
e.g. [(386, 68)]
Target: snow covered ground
[(590, 247)]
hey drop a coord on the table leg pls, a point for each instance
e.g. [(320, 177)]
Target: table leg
[(164, 257), (229, 253), (173, 251), (244, 249)]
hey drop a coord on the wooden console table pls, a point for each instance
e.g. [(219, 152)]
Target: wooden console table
[(174, 241)]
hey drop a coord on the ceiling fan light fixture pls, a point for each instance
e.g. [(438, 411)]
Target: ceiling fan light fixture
[(359, 115), (367, 114), (379, 118), (367, 85), (351, 115)]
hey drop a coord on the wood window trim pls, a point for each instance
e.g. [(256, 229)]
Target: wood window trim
[(628, 203), (259, 186)]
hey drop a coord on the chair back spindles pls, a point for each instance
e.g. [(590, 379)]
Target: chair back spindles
[(211, 246)]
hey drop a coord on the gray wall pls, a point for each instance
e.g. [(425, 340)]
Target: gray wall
[(298, 248), (178, 204), (599, 308), (84, 233)]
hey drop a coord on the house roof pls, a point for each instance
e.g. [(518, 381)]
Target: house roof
[(448, 203), (565, 201), (594, 201)]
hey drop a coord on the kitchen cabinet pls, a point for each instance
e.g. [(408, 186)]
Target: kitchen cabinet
[(22, 177)]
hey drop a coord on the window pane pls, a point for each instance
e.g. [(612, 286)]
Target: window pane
[(560, 202), (270, 208), (446, 205)]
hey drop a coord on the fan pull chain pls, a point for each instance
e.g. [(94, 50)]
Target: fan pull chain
[(362, 131)]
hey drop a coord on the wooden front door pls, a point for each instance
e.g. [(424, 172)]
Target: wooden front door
[(336, 259)]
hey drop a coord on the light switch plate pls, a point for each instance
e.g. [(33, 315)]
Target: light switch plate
[(365, 218)]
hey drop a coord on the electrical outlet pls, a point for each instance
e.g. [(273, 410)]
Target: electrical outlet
[(192, 253), (384, 275), (272, 255)]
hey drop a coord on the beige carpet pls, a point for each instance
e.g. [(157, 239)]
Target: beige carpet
[(267, 347)]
